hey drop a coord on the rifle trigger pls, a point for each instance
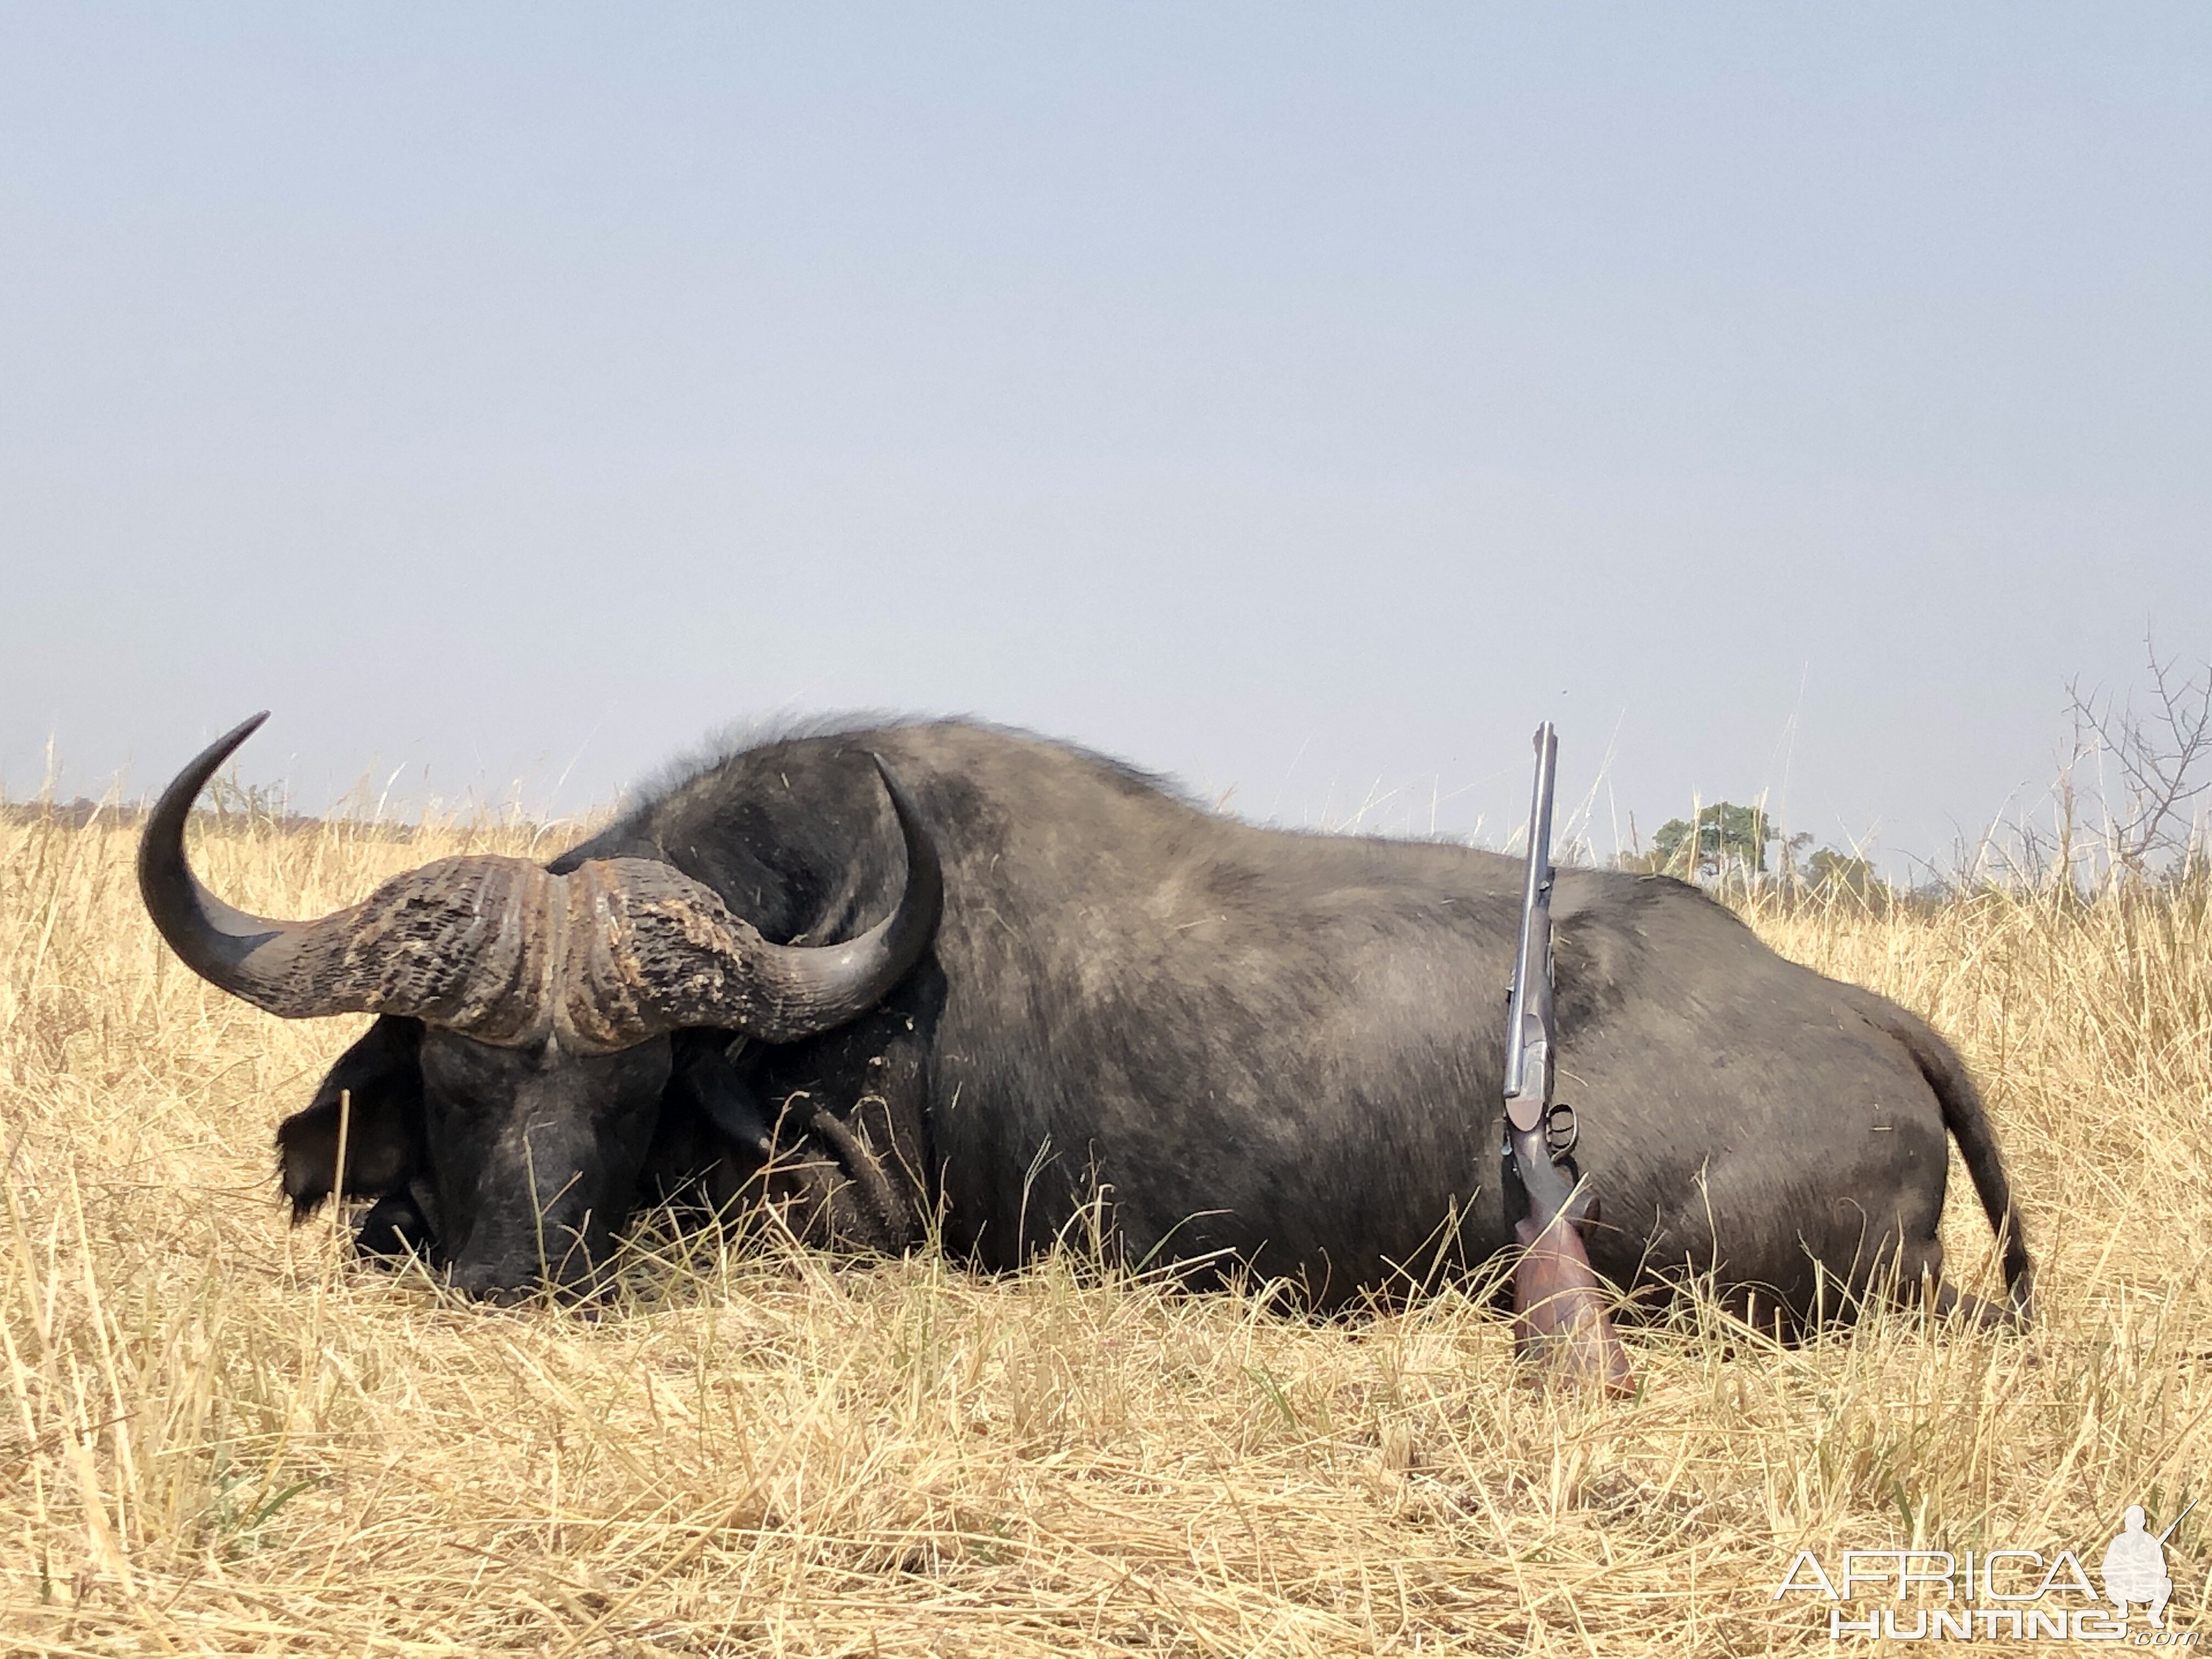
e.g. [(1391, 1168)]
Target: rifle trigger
[(1562, 1129)]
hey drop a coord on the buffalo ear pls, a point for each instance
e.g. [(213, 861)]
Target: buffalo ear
[(394, 1229), (706, 1077), (377, 1088)]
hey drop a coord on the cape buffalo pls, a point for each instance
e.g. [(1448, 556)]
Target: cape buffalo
[(942, 972)]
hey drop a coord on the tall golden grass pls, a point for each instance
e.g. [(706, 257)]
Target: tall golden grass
[(219, 1437)]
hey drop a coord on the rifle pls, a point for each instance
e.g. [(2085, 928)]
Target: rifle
[(1558, 1307)]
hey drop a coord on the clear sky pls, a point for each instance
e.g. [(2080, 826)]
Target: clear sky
[(1301, 400)]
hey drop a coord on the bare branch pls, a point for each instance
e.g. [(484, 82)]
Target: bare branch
[(2163, 757)]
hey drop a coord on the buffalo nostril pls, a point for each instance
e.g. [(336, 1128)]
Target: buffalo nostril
[(584, 1298)]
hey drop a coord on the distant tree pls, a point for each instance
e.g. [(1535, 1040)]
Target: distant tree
[(1833, 871), (1789, 855), (1725, 839)]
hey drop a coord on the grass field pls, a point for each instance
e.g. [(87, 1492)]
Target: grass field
[(218, 1438)]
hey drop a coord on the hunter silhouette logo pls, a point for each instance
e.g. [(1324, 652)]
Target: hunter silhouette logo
[(1935, 1595), (2134, 1567)]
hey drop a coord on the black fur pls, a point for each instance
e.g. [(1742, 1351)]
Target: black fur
[(1248, 1045), (373, 1096)]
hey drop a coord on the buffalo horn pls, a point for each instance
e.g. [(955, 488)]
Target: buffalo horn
[(658, 951), (500, 950), (459, 943)]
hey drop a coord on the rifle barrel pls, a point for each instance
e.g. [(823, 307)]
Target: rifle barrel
[(1532, 964), (2178, 1520)]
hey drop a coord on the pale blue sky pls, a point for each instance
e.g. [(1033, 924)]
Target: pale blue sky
[(1302, 399)]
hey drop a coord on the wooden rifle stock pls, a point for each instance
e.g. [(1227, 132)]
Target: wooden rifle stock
[(1558, 1308)]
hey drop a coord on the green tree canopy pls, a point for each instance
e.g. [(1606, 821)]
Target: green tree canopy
[(1724, 839), (1828, 868)]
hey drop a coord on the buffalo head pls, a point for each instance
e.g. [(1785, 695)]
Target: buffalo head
[(531, 1024)]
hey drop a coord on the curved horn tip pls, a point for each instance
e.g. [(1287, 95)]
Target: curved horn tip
[(165, 822), (202, 766), (921, 851), (900, 798), (224, 746), (209, 935), (230, 739)]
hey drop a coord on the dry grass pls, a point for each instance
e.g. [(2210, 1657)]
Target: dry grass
[(218, 1438)]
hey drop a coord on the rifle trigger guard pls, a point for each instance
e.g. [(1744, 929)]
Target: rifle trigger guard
[(1562, 1129)]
